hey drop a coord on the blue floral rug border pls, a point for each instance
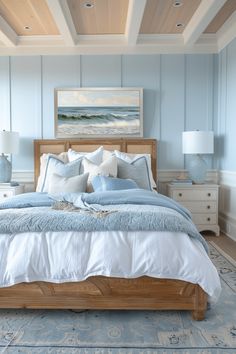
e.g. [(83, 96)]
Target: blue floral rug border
[(226, 269)]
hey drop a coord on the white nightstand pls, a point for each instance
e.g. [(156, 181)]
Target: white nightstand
[(201, 200), (8, 191)]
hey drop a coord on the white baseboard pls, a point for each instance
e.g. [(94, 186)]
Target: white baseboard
[(227, 203), (163, 175), (227, 178), (23, 176), (228, 226)]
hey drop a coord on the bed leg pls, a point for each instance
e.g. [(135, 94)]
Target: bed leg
[(200, 304), (198, 315)]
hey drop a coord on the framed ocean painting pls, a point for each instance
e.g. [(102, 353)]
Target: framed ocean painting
[(98, 112)]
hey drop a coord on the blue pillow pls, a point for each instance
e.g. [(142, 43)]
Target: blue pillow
[(55, 165), (136, 170), (103, 183)]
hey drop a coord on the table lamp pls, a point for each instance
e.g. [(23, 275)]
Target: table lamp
[(198, 143), (9, 144)]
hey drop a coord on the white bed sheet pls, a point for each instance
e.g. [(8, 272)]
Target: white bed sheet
[(74, 256)]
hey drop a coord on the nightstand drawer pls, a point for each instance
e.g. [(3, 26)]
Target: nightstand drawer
[(201, 200), (6, 194), (201, 207), (204, 219), (200, 194), (6, 190)]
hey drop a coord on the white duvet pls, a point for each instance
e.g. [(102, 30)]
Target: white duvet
[(74, 256)]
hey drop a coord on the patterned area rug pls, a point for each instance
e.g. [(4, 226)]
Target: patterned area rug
[(126, 332)]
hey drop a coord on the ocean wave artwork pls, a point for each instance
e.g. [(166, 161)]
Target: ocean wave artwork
[(111, 113), (98, 120)]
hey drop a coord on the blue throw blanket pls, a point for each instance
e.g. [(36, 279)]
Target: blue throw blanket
[(130, 210)]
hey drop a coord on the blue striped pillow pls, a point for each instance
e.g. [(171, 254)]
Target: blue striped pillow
[(55, 165)]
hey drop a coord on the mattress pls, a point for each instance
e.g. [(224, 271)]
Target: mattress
[(74, 256)]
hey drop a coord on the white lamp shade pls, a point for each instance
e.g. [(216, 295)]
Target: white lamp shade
[(9, 142), (198, 142)]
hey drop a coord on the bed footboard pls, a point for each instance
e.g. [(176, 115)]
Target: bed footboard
[(144, 293)]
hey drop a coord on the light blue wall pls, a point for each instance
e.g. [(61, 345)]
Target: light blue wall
[(226, 141), (178, 95)]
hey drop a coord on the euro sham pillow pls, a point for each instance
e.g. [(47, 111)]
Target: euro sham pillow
[(55, 165), (43, 163), (106, 168), (95, 156), (74, 184), (132, 157), (137, 170), (104, 183)]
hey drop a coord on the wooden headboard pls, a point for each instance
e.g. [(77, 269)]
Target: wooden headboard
[(132, 146)]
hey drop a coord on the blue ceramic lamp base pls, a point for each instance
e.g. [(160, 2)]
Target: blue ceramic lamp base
[(5, 169), (198, 169)]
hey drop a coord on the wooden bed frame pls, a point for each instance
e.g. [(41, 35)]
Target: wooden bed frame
[(101, 292)]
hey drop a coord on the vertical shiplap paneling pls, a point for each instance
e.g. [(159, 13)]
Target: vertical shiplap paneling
[(101, 70), (199, 92), (172, 111), (5, 122), (144, 71), (25, 107), (216, 109), (34, 80), (57, 71), (199, 95), (230, 126), (222, 109)]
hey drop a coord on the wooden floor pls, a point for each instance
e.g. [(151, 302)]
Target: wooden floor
[(224, 242)]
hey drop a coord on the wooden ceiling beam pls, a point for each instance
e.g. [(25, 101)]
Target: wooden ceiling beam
[(62, 17), (201, 19), (7, 35), (134, 19)]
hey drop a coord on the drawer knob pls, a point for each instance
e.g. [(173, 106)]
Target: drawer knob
[(208, 219), (180, 194), (208, 207), (4, 195), (209, 194)]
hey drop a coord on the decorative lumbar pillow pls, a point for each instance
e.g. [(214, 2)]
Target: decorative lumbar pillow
[(103, 183), (43, 163), (54, 165), (133, 157), (74, 184), (95, 156), (137, 170), (106, 168)]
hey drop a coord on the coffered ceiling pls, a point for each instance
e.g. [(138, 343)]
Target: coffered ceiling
[(115, 26)]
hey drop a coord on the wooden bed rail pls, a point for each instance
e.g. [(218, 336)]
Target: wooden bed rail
[(144, 293)]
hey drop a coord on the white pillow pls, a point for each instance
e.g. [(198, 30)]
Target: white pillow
[(74, 184), (95, 156), (106, 168), (133, 157), (43, 163)]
